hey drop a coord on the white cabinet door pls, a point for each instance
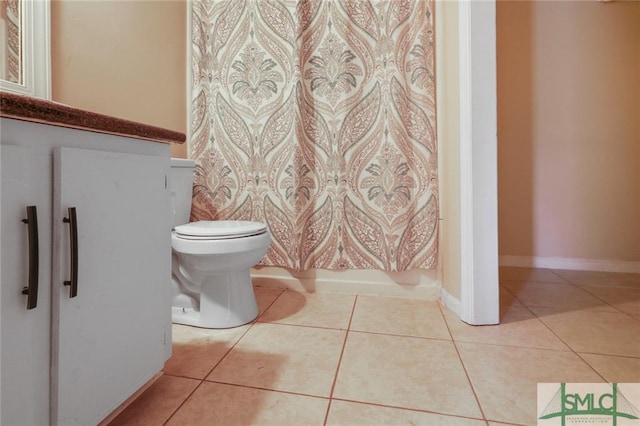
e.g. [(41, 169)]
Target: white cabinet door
[(24, 332), (110, 339)]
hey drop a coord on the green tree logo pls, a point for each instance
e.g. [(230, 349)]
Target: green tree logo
[(613, 404)]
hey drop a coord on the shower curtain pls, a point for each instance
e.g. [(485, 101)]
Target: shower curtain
[(10, 15), (317, 117)]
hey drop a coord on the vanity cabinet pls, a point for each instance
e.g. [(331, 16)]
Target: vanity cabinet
[(101, 326), (24, 333)]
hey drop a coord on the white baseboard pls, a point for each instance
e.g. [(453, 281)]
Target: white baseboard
[(570, 263), (451, 302), (417, 284)]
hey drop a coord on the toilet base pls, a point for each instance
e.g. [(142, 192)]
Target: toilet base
[(191, 317), (226, 301)]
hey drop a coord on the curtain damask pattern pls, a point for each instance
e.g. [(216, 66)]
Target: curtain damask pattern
[(13, 66), (317, 117)]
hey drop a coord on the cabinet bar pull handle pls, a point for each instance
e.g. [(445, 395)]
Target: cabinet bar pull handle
[(32, 289), (73, 241)]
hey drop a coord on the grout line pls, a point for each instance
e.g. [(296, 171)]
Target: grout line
[(356, 331), (512, 346), (318, 327), (307, 395), (598, 298), (219, 361), (611, 355), (571, 349), (251, 324), (562, 340), (183, 402), (344, 344), (270, 304), (575, 352), (604, 301), (446, 323), (591, 367), (229, 350), (442, 339), (330, 398), (415, 410), (543, 323), (464, 368), (558, 275)]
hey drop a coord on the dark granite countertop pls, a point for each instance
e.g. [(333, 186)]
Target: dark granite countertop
[(47, 112)]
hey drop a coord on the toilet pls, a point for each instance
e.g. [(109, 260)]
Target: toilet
[(211, 260)]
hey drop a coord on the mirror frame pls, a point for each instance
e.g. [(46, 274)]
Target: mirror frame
[(36, 51)]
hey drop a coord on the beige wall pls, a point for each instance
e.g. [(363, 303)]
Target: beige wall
[(122, 58), (569, 129), (447, 81)]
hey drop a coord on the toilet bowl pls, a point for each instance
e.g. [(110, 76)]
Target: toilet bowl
[(211, 262)]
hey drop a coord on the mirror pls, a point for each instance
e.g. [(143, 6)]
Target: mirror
[(25, 51)]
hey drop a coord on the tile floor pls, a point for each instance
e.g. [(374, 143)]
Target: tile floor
[(336, 359)]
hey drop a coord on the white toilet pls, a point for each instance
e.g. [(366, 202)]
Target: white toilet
[(211, 261)]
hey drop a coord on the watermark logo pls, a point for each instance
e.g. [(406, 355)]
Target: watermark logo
[(588, 404)]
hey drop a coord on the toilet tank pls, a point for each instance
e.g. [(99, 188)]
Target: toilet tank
[(181, 185)]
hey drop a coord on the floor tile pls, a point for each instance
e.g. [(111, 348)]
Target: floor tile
[(634, 276), (511, 273), (601, 278), (405, 372), (283, 357), (197, 350), (507, 302), (565, 296), (311, 309), (399, 364), (505, 380), (503, 424), (625, 299), (355, 413), (518, 327), (157, 403), (220, 404), (615, 369), (406, 317), (507, 298), (610, 333), (265, 297)]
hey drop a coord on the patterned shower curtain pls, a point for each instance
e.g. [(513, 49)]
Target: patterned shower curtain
[(317, 117), (10, 13)]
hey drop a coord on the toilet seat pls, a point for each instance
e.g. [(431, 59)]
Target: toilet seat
[(219, 229)]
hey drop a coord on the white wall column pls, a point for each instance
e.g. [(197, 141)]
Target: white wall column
[(479, 292)]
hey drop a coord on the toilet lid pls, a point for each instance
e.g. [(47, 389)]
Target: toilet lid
[(219, 229)]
